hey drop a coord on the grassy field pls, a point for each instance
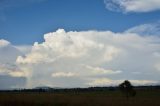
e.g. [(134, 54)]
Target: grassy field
[(105, 98)]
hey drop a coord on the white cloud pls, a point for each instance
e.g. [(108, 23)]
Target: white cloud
[(63, 74), (90, 55), (24, 48), (11, 70), (3, 43), (132, 5), (103, 82), (61, 44), (10, 74), (86, 58), (144, 82), (110, 82), (146, 29), (9, 54), (17, 74), (99, 70)]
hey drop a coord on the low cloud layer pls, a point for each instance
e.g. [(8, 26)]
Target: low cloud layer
[(83, 59), (110, 82), (132, 5)]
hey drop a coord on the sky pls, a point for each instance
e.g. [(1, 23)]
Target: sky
[(79, 43)]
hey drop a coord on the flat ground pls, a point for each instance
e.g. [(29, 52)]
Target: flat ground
[(103, 98)]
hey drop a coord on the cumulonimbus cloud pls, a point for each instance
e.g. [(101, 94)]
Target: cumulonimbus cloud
[(74, 45), (132, 5), (85, 55), (84, 58)]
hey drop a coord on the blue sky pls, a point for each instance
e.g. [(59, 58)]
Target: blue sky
[(24, 22), (79, 43)]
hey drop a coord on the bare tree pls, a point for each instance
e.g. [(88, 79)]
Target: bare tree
[(127, 89)]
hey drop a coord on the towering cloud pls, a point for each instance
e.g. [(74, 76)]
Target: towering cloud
[(71, 59)]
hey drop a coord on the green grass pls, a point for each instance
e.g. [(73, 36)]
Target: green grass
[(104, 98)]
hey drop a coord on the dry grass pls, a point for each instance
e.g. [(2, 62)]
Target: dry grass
[(108, 98)]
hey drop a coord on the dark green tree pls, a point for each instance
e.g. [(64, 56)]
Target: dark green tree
[(127, 89)]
